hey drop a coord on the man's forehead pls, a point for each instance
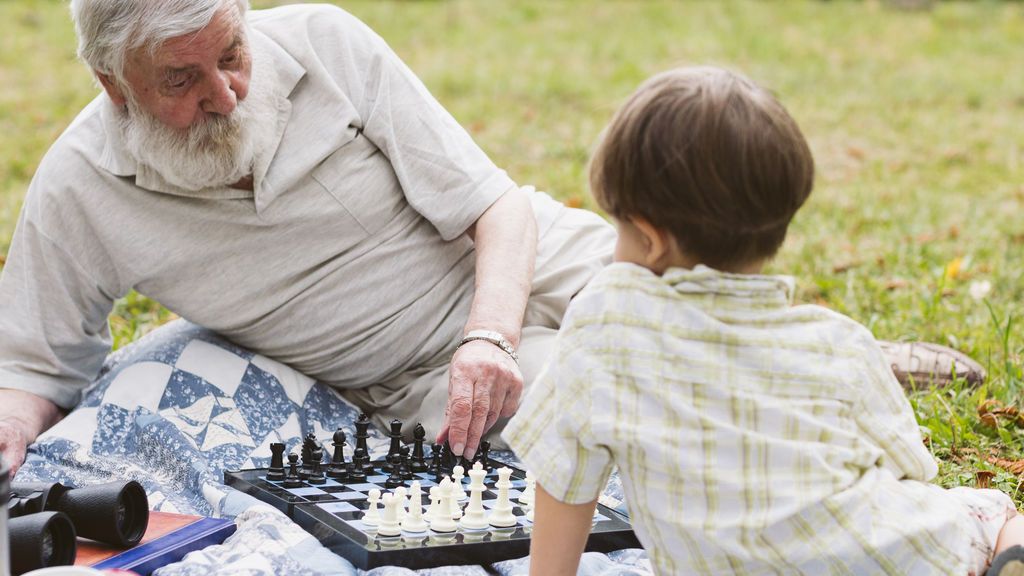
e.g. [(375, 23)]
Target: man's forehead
[(224, 32)]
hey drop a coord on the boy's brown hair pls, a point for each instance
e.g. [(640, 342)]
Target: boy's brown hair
[(708, 156)]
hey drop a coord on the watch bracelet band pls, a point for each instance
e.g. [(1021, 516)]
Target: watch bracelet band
[(493, 337)]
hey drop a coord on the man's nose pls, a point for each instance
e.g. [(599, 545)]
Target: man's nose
[(221, 98)]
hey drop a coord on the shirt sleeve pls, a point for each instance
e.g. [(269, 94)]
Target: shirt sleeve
[(446, 177), (53, 319), (551, 433), (886, 417)]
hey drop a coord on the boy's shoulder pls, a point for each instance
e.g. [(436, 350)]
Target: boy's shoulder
[(620, 286)]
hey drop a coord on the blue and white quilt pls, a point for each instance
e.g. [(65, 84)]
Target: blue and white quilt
[(177, 408)]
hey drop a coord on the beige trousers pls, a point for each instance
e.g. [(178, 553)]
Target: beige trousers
[(571, 249)]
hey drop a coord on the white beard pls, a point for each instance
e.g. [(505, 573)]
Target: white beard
[(218, 152)]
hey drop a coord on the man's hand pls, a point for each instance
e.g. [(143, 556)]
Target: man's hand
[(484, 383), (23, 416)]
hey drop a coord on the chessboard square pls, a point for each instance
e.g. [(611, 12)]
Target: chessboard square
[(331, 482), (348, 495), (338, 507), (214, 364), (598, 517), (518, 483), (425, 483), (366, 487), (306, 491), (377, 479), (321, 498)]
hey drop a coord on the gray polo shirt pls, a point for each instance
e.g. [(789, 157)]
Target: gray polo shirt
[(348, 262)]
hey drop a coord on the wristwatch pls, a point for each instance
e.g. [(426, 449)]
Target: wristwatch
[(494, 338)]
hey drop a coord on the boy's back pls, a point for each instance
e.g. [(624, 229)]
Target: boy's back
[(751, 436)]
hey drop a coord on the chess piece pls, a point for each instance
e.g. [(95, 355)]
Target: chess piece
[(458, 473), (362, 426), (293, 480), (418, 463), (316, 475), (413, 521), (474, 518), (405, 471), (309, 444), (501, 515), (528, 495), (358, 472), (435, 503), (396, 443), (442, 521), (338, 469), (435, 461), (485, 459), (395, 479), (372, 516), (276, 471), (446, 457), (401, 493), (389, 519)]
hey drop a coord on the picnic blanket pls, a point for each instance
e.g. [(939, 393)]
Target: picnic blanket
[(175, 409)]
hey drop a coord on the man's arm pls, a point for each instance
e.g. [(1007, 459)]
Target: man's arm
[(559, 535), (484, 382), (23, 417)]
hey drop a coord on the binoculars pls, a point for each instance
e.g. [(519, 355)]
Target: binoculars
[(46, 518)]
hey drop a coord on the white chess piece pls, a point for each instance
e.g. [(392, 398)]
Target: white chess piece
[(389, 522), (402, 501), (475, 518), (413, 521), (435, 504), (526, 498), (458, 473), (372, 515), (502, 516), (443, 520)]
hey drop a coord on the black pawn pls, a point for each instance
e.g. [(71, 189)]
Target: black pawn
[(356, 474), (292, 480), (276, 471), (404, 468), (435, 460), (338, 469), (485, 459), (418, 463), (395, 479)]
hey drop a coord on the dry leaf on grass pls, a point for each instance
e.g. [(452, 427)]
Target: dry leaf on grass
[(1012, 466), (983, 479), (991, 411)]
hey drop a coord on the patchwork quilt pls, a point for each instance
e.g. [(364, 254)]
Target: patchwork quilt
[(175, 409)]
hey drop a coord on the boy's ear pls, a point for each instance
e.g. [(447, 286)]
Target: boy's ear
[(658, 244)]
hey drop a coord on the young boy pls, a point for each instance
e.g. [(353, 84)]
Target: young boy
[(752, 436)]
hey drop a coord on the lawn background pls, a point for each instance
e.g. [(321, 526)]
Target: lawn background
[(914, 118)]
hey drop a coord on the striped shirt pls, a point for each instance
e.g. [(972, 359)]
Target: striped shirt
[(752, 436)]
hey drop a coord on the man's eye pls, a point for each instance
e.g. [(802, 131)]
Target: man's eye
[(178, 82)]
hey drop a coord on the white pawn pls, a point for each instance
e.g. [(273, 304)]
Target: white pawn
[(502, 516), (389, 522), (435, 504), (443, 520), (372, 515), (413, 522), (458, 473), (526, 498), (474, 518), (400, 496)]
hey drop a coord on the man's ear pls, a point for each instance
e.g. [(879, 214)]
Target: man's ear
[(112, 88), (658, 244)]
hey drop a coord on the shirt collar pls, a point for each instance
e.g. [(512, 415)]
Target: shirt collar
[(762, 290), (116, 160)]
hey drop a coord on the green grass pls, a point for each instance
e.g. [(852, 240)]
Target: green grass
[(914, 118)]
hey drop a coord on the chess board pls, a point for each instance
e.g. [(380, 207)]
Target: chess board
[(331, 512)]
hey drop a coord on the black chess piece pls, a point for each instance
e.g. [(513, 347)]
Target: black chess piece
[(395, 479), (405, 470), (276, 471), (418, 463), (485, 449), (316, 475), (309, 444), (292, 480), (338, 469), (396, 444), (447, 458), (357, 474), (435, 460), (362, 433)]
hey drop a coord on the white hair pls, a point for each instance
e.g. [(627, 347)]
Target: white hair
[(109, 29)]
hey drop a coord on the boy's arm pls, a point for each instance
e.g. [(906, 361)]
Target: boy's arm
[(559, 534)]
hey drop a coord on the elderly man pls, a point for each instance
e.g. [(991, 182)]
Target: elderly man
[(281, 178)]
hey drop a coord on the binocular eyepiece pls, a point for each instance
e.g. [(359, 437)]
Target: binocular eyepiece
[(46, 518)]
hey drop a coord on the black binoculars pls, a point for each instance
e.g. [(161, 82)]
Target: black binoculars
[(45, 519)]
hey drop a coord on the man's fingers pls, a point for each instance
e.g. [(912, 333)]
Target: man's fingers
[(481, 407), (513, 394), (12, 446)]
